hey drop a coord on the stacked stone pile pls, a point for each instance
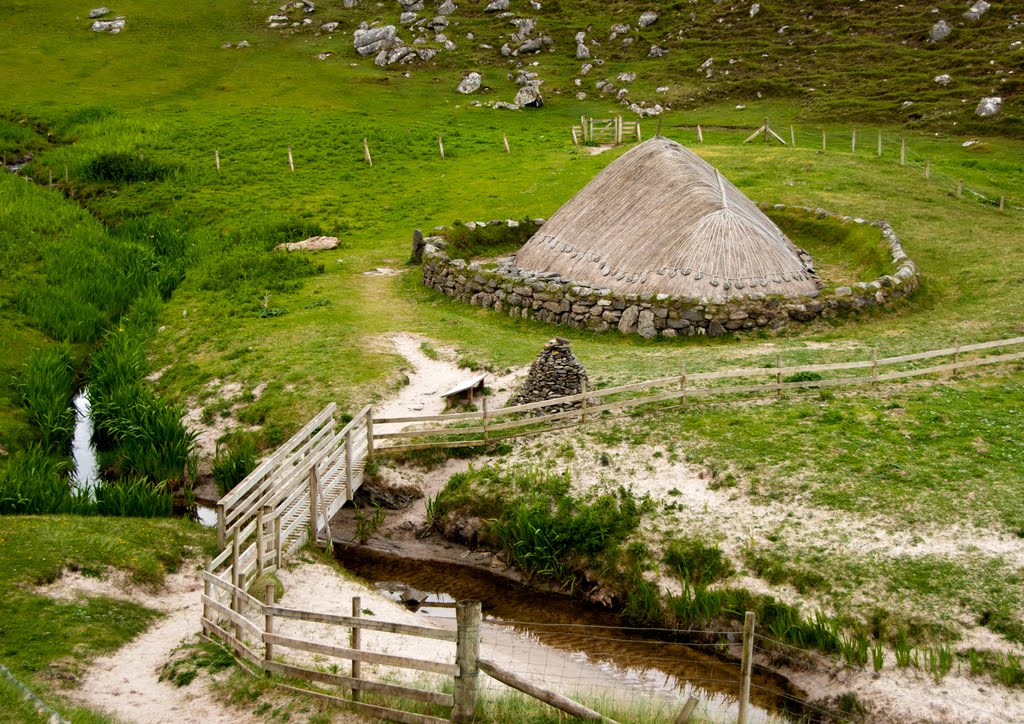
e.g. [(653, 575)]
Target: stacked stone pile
[(555, 372)]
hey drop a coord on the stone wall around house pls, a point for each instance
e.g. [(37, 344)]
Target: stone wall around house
[(548, 298)]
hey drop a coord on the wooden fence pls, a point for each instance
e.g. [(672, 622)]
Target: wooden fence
[(486, 426), (605, 130)]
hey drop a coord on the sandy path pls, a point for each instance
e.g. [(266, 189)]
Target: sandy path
[(126, 684)]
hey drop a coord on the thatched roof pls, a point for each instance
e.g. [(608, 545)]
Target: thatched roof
[(661, 220)]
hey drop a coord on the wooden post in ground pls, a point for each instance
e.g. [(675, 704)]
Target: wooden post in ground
[(766, 131), (590, 135), (778, 374), (483, 419), (65, 172), (700, 134), (575, 138), (874, 367), (216, 159), (236, 582), (221, 532), (956, 354), (366, 152), (960, 188), (682, 381), (746, 665), (504, 140), (853, 142), (583, 127), (792, 136), (369, 434), (618, 130), (260, 533), (879, 143), (277, 542), (687, 712), (639, 137), (291, 161), (583, 404), (824, 141), (927, 169), (268, 624), (207, 589), (314, 483), (355, 642), (467, 655), (903, 151), (440, 146), (1002, 202)]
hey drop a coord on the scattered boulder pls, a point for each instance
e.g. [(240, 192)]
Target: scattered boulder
[(447, 8), (98, 13), (755, 9), (648, 18), (657, 51), (470, 84), (369, 41), (407, 18), (627, 77), (313, 243), (939, 31), (989, 107), (496, 6), (528, 97), (943, 79), (109, 26), (328, 27), (977, 10), (411, 5), (243, 44)]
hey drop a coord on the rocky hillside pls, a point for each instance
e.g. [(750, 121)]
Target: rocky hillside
[(922, 64)]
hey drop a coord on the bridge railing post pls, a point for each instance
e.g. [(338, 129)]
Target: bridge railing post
[(348, 464), (369, 433)]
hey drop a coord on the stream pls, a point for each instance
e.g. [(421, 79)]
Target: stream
[(557, 639), (86, 472)]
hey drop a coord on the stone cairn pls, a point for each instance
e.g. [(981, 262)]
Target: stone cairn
[(555, 372)]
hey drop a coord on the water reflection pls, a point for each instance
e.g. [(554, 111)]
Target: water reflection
[(86, 474)]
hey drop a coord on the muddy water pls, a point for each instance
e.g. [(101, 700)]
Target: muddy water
[(577, 641)]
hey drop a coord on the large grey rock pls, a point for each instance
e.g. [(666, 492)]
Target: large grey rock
[(328, 27), (447, 8), (370, 41), (582, 52), (715, 329), (647, 18), (411, 5), (627, 323), (407, 18), (109, 26), (943, 79), (645, 324), (496, 6), (977, 10), (755, 9), (989, 107), (470, 84), (98, 13), (939, 31), (657, 51), (528, 97)]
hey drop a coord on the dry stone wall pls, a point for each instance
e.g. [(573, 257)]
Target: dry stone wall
[(547, 297)]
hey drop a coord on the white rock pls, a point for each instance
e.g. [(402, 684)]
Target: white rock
[(939, 31), (755, 9), (98, 13), (647, 18), (470, 84), (977, 10), (943, 79), (989, 107)]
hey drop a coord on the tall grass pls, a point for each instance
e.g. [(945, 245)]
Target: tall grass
[(232, 462), (134, 498), (35, 482), (47, 389)]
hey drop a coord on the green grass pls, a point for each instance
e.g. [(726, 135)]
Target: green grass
[(38, 633)]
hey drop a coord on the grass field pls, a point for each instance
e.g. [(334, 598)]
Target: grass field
[(136, 118)]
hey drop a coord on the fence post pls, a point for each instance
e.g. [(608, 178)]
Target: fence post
[(1002, 200), (583, 127), (467, 652), (687, 712), (260, 532), (879, 142), (504, 140), (65, 172), (903, 151), (960, 188), (483, 419), (366, 152), (824, 141), (700, 134), (206, 590), (956, 354), (369, 433), (583, 405), (746, 664), (291, 161), (51, 178), (268, 625), (221, 526), (778, 374), (766, 131), (874, 367), (590, 136), (639, 137), (927, 169), (575, 138), (355, 641), (236, 601), (682, 380), (853, 143), (440, 145), (277, 541), (792, 137), (216, 159), (313, 484), (348, 466)]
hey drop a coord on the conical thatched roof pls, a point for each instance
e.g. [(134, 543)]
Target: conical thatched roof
[(661, 220)]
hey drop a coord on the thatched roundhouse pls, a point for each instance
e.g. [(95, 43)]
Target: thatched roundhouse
[(661, 220)]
